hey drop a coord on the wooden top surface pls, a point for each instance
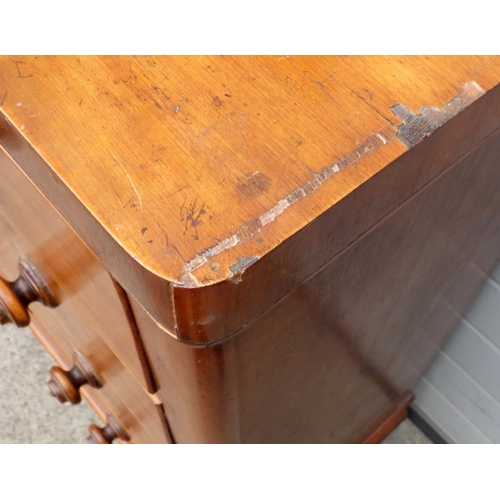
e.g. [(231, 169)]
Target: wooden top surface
[(199, 166)]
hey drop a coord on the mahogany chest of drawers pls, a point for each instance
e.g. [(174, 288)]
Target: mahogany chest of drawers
[(245, 249)]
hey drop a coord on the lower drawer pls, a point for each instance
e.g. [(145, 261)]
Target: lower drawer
[(89, 317), (119, 395)]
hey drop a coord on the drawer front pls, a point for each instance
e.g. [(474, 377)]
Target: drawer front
[(119, 395), (30, 226)]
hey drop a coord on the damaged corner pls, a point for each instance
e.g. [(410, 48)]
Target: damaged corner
[(416, 127), (240, 267)]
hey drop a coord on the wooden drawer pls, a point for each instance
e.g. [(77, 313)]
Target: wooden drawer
[(30, 226), (63, 333), (89, 318)]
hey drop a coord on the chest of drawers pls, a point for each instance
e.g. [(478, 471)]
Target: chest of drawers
[(245, 249)]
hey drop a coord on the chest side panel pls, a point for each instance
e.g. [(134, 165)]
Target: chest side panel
[(336, 354)]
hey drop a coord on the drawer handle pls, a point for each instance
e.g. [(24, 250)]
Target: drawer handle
[(65, 385), (15, 296), (107, 434)]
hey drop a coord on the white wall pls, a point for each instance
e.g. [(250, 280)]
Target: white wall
[(459, 395)]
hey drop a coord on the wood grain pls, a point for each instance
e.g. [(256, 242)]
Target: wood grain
[(202, 314), (336, 354), (296, 235), (182, 172), (35, 229)]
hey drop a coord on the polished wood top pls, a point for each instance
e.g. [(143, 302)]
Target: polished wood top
[(199, 166)]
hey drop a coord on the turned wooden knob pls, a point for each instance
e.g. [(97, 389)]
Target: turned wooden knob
[(15, 296), (65, 385), (106, 435)]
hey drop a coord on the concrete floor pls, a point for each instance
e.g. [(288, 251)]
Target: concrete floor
[(29, 414), (407, 433)]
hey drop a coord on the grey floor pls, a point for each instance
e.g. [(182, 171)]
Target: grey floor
[(29, 414), (407, 433)]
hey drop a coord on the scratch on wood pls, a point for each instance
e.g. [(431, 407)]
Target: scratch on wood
[(176, 191), (119, 162), (417, 127), (133, 187), (254, 184), (176, 250), (19, 73), (369, 94), (256, 225), (192, 216), (206, 130), (207, 320)]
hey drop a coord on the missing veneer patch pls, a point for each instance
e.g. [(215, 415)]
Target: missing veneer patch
[(417, 127), (254, 226)]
